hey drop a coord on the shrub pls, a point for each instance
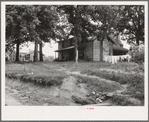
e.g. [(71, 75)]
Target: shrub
[(137, 54)]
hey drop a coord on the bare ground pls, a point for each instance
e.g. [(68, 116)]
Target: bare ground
[(70, 93)]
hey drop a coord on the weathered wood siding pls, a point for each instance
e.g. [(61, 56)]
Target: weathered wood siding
[(60, 45), (105, 47), (96, 50), (110, 48), (88, 51), (60, 53), (92, 50), (66, 43), (64, 54)]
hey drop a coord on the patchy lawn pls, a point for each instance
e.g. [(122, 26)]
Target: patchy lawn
[(78, 84)]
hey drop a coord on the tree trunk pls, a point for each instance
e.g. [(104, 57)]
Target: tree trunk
[(138, 37), (101, 44), (17, 50), (76, 51), (36, 51), (41, 56), (101, 50)]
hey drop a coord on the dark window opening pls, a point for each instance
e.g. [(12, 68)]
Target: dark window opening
[(62, 44), (121, 45), (71, 42), (82, 41)]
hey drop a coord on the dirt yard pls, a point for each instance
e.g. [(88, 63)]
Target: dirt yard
[(64, 84)]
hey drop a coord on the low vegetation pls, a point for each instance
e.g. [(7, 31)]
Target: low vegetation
[(134, 79), (98, 85), (34, 73), (96, 76)]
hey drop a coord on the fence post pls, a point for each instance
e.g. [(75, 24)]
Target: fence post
[(30, 68), (24, 67)]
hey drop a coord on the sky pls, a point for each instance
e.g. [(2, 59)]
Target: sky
[(48, 49)]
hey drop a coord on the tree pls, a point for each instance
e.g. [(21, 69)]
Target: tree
[(88, 20), (20, 23), (36, 23), (48, 17), (78, 17), (132, 19), (105, 17)]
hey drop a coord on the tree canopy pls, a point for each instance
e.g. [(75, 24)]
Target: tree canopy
[(30, 23), (20, 24), (40, 23), (132, 19)]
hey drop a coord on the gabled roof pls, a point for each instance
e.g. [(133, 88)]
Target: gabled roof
[(117, 43), (121, 49), (109, 37), (115, 39), (67, 48)]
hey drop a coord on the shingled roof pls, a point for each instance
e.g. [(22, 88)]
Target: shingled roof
[(115, 39)]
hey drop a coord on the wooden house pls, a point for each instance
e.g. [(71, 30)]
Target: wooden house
[(90, 49)]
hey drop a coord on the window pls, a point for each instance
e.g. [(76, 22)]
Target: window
[(121, 45), (62, 44), (82, 41), (71, 42)]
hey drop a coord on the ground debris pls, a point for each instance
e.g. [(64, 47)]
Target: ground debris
[(99, 100), (134, 101), (82, 101)]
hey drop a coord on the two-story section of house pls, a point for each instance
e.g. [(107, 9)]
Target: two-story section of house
[(89, 49)]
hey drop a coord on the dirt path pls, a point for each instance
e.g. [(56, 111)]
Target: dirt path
[(27, 94), (91, 76), (120, 71), (20, 93), (9, 99)]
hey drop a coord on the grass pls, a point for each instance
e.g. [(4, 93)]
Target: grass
[(41, 75), (30, 94), (95, 84), (53, 73), (133, 77), (122, 78)]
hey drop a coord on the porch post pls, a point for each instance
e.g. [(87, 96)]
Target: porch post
[(55, 55), (110, 48)]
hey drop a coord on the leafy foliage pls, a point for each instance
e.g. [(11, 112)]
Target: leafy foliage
[(78, 17), (137, 54), (132, 19), (20, 24), (30, 23), (20, 20)]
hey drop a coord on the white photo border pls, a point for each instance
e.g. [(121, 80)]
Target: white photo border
[(72, 112)]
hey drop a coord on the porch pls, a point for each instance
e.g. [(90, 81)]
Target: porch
[(68, 53)]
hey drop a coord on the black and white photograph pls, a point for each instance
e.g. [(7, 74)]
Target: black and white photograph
[(83, 56)]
